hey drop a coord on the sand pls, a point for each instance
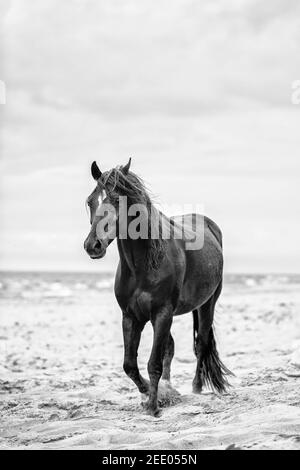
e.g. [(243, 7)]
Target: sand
[(62, 384)]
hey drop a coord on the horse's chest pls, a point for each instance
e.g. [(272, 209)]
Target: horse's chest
[(140, 304)]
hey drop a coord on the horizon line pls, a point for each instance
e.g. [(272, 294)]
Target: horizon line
[(112, 271)]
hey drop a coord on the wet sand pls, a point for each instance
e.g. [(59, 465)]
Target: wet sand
[(62, 385)]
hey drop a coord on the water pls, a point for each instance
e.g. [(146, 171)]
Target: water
[(39, 285)]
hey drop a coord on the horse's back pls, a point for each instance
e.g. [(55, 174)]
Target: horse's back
[(197, 223), (203, 264)]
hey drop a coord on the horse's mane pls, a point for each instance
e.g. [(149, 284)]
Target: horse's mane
[(116, 183)]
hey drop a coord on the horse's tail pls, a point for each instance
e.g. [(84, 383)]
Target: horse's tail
[(213, 372)]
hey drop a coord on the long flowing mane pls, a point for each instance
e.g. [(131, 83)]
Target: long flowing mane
[(115, 183), (130, 185)]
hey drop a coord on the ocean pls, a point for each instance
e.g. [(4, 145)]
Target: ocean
[(57, 285)]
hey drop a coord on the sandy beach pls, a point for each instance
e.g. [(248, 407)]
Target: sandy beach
[(62, 385)]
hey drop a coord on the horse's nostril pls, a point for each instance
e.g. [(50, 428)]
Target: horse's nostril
[(92, 247), (97, 245)]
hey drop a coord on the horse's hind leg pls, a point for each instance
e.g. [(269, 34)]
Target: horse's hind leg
[(210, 370), (203, 319), (168, 356)]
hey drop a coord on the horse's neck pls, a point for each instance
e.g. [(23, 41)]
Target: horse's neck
[(134, 253)]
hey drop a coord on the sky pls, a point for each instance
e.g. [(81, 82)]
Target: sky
[(197, 93)]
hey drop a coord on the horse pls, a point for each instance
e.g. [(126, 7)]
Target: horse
[(158, 278)]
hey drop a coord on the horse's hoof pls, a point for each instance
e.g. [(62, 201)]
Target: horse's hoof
[(156, 412), (197, 388)]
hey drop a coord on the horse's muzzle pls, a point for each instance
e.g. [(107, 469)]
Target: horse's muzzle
[(94, 249)]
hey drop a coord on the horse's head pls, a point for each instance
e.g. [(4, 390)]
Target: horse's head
[(103, 203)]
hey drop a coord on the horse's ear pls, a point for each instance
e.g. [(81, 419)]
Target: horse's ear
[(125, 168), (96, 172)]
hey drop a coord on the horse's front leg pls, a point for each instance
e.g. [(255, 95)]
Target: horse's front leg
[(132, 330), (161, 322)]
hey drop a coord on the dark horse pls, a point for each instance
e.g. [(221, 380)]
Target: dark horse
[(158, 278)]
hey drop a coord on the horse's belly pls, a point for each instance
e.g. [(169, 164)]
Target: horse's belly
[(193, 296)]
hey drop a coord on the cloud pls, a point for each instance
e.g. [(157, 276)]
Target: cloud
[(121, 60), (197, 92)]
